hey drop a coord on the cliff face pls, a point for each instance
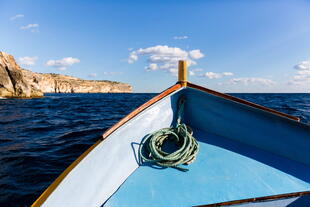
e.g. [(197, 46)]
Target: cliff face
[(56, 83), (12, 81), (18, 82)]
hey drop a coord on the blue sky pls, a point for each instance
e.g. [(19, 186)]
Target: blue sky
[(232, 46)]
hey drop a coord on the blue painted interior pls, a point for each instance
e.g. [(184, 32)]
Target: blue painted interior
[(224, 170), (248, 125), (244, 153)]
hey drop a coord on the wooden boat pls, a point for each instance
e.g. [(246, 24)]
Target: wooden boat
[(249, 156)]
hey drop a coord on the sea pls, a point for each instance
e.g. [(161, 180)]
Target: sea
[(40, 137)]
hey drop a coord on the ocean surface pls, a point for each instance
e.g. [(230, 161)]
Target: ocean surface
[(39, 138)]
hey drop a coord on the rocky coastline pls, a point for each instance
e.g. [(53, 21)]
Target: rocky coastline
[(16, 82)]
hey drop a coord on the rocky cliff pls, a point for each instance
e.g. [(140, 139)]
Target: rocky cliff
[(12, 81), (18, 82)]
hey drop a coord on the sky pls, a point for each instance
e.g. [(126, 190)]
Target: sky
[(230, 46)]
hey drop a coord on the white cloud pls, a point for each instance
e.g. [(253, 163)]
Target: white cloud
[(252, 80), (27, 61), (304, 65), (196, 54), (17, 16), (92, 75), (228, 74), (180, 37), (132, 57), (62, 64), (162, 57), (151, 66), (192, 73), (212, 75), (303, 74), (32, 27)]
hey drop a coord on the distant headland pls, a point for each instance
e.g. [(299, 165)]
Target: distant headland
[(16, 82)]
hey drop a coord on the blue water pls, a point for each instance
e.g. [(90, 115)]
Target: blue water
[(39, 138)]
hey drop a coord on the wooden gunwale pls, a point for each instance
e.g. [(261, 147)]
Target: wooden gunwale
[(131, 115), (258, 199), (238, 100)]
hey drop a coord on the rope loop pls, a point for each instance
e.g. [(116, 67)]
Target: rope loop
[(151, 148)]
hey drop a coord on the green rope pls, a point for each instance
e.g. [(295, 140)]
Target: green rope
[(151, 146)]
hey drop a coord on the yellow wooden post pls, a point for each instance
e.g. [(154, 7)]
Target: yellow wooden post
[(182, 73)]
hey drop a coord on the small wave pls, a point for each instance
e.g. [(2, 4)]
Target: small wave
[(80, 133), (40, 129)]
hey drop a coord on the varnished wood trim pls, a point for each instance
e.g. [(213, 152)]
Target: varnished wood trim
[(182, 77), (258, 199), (58, 180), (232, 98), (141, 108)]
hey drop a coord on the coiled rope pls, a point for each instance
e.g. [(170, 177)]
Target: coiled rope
[(151, 151)]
